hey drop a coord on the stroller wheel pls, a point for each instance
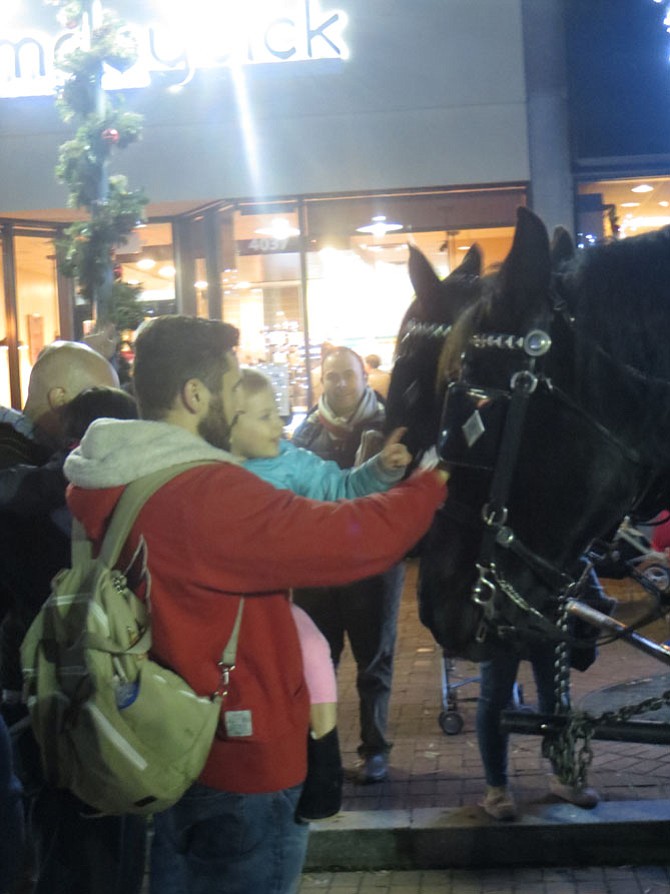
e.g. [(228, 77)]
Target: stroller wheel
[(451, 722)]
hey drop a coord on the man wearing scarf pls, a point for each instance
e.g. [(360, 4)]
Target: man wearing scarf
[(345, 426)]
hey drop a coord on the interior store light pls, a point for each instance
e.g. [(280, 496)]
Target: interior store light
[(200, 284), (280, 228), (642, 187), (379, 227), (644, 223), (167, 271), (146, 263)]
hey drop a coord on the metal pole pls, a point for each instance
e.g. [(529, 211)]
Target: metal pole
[(646, 731), (604, 622), (102, 293)]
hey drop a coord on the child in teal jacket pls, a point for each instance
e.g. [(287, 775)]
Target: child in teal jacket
[(257, 436)]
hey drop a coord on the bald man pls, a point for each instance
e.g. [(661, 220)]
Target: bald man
[(102, 856), (62, 371)]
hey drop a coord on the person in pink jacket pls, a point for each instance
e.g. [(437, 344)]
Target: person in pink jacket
[(214, 535)]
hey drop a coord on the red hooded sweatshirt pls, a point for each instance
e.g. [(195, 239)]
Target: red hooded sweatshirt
[(216, 534)]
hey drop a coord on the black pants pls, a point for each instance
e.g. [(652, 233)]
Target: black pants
[(74, 852), (367, 613)]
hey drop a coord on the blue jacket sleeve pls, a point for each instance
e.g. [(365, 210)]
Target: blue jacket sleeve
[(307, 475)]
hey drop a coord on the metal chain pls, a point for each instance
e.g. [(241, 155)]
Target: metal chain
[(569, 759), (654, 703), (569, 762)]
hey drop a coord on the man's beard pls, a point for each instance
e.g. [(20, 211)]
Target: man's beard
[(214, 428)]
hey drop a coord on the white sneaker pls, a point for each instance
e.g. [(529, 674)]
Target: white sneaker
[(499, 803), (579, 795)]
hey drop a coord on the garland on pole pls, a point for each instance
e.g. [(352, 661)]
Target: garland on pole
[(86, 249)]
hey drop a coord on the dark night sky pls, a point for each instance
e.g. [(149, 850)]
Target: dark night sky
[(619, 76)]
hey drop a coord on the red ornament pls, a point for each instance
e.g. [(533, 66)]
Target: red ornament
[(110, 135)]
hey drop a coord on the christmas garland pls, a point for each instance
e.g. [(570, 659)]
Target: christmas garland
[(86, 249)]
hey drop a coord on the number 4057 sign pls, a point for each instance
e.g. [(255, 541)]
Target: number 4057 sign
[(267, 245)]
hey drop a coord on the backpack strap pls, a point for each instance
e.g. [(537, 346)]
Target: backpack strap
[(132, 500)]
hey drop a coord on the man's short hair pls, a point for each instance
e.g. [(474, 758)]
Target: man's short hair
[(170, 350)]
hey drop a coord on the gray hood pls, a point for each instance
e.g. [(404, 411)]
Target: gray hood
[(115, 452)]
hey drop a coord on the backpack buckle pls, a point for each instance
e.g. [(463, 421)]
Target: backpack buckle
[(222, 689)]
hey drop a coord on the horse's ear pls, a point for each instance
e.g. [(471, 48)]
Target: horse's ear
[(421, 274), (562, 247), (471, 265), (525, 275)]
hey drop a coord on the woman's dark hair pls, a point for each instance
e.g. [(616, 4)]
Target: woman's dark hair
[(171, 350), (95, 403)]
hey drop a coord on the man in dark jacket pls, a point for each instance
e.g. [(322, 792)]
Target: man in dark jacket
[(345, 426), (91, 856)]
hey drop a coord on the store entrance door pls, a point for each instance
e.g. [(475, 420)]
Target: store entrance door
[(32, 311)]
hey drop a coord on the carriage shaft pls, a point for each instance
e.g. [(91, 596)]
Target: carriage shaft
[(611, 625), (644, 731)]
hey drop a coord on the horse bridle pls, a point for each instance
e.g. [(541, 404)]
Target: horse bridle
[(497, 535)]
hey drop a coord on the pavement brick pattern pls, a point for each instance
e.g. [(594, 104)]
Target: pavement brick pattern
[(431, 769), (585, 880)]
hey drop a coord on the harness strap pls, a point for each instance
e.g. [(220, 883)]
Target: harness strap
[(496, 510)]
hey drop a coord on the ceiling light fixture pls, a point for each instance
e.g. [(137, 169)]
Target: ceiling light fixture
[(643, 187), (146, 263), (167, 270), (379, 227)]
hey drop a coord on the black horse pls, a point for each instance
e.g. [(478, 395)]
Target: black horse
[(550, 397)]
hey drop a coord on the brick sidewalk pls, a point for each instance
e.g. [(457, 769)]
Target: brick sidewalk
[(588, 880), (431, 769)]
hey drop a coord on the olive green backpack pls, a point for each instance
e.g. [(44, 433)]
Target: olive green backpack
[(123, 733)]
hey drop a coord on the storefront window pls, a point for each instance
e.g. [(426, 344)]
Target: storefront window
[(617, 208), (5, 395), (147, 260), (36, 299), (354, 270), (358, 284), (262, 295)]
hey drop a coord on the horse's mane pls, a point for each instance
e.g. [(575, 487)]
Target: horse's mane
[(619, 296), (467, 323)]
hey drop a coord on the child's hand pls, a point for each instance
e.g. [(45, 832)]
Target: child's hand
[(395, 455)]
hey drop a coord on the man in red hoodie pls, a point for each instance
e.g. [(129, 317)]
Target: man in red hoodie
[(216, 535)]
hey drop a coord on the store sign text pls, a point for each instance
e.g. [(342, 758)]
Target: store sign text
[(304, 33)]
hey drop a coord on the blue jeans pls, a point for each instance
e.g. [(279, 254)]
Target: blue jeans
[(11, 813), (214, 842), (497, 678)]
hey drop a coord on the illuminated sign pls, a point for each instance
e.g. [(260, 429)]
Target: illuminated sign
[(207, 34), (666, 19)]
